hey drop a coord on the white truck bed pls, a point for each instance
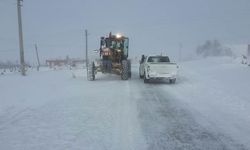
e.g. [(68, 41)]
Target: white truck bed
[(158, 67)]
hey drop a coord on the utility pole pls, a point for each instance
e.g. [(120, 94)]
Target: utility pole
[(19, 15), (248, 54), (37, 56), (86, 38)]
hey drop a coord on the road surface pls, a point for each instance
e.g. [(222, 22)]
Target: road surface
[(55, 111)]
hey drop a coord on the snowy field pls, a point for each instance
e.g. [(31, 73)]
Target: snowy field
[(208, 108)]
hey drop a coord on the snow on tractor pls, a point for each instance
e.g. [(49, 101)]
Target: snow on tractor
[(113, 58)]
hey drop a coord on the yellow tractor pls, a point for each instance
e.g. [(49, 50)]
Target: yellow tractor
[(113, 57)]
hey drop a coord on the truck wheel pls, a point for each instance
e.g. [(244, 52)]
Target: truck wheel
[(141, 76), (145, 79), (125, 70), (172, 81), (91, 72)]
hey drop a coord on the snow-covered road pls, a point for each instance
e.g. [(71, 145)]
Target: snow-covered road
[(168, 124), (53, 110)]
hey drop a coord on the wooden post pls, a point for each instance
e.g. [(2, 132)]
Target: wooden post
[(248, 55), (19, 16)]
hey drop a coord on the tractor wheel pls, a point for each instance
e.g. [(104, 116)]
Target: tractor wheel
[(141, 76), (91, 72), (125, 70)]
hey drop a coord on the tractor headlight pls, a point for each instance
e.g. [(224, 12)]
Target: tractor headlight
[(118, 50), (118, 35)]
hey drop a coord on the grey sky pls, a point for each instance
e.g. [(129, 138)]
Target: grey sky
[(153, 26)]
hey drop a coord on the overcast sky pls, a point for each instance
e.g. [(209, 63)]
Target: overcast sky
[(153, 26)]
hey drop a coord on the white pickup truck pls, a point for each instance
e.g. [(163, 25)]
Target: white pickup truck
[(157, 67)]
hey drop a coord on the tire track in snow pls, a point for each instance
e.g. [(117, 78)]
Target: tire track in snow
[(168, 125), (127, 132), (13, 117)]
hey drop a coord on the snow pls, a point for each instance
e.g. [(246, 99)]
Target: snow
[(217, 91), (207, 108), (52, 110)]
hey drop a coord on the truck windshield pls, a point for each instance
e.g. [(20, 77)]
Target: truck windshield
[(158, 59)]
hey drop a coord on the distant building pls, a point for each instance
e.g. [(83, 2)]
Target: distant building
[(64, 62), (56, 62)]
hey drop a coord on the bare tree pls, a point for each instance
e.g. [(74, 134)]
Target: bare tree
[(213, 48)]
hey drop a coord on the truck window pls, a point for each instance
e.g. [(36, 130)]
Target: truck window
[(157, 59)]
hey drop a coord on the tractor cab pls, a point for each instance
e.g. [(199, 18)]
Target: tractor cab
[(115, 46)]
